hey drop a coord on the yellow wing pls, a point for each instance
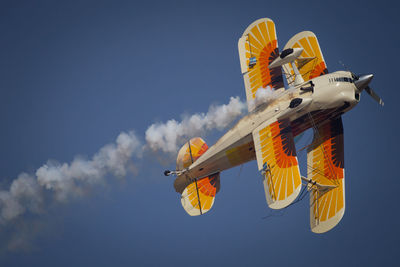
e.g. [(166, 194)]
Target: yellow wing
[(277, 161), (325, 165), (258, 47), (311, 62)]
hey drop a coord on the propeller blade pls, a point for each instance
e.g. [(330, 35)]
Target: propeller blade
[(362, 81), (374, 95)]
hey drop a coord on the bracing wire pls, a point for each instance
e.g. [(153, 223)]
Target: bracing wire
[(240, 170), (316, 132), (281, 212), (304, 192)]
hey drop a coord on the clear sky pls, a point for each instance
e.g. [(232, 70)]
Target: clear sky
[(74, 74)]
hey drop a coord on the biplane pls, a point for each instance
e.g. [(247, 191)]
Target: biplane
[(312, 98)]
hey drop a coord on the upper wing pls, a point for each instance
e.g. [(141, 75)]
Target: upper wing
[(311, 62), (325, 165), (276, 159), (258, 47)]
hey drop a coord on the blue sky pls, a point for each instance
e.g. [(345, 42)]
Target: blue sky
[(74, 74)]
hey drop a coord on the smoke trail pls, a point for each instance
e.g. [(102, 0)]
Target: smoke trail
[(65, 181), (54, 182), (167, 137), (263, 95)]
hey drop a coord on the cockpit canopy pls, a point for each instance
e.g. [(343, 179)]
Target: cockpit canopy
[(341, 79)]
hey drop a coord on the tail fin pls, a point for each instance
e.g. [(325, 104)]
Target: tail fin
[(198, 194)]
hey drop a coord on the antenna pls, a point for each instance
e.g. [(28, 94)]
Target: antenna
[(344, 66)]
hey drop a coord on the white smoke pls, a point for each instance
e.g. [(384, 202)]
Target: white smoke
[(63, 181), (168, 136), (54, 182), (24, 195), (263, 95), (67, 180)]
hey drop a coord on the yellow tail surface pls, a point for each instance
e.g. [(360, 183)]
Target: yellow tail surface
[(198, 196)]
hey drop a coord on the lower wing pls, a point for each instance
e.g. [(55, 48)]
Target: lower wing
[(277, 161), (325, 165)]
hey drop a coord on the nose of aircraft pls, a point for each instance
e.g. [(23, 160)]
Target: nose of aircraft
[(363, 81)]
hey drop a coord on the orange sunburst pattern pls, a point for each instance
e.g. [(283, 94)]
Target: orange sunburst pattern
[(185, 159), (198, 197), (259, 42), (325, 160), (318, 70), (279, 164), (315, 67)]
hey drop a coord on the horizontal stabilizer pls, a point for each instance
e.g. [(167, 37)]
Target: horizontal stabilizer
[(197, 195)]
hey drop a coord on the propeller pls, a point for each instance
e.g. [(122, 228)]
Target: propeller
[(374, 95), (362, 83)]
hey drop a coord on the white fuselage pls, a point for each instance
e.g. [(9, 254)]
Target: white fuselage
[(323, 97)]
